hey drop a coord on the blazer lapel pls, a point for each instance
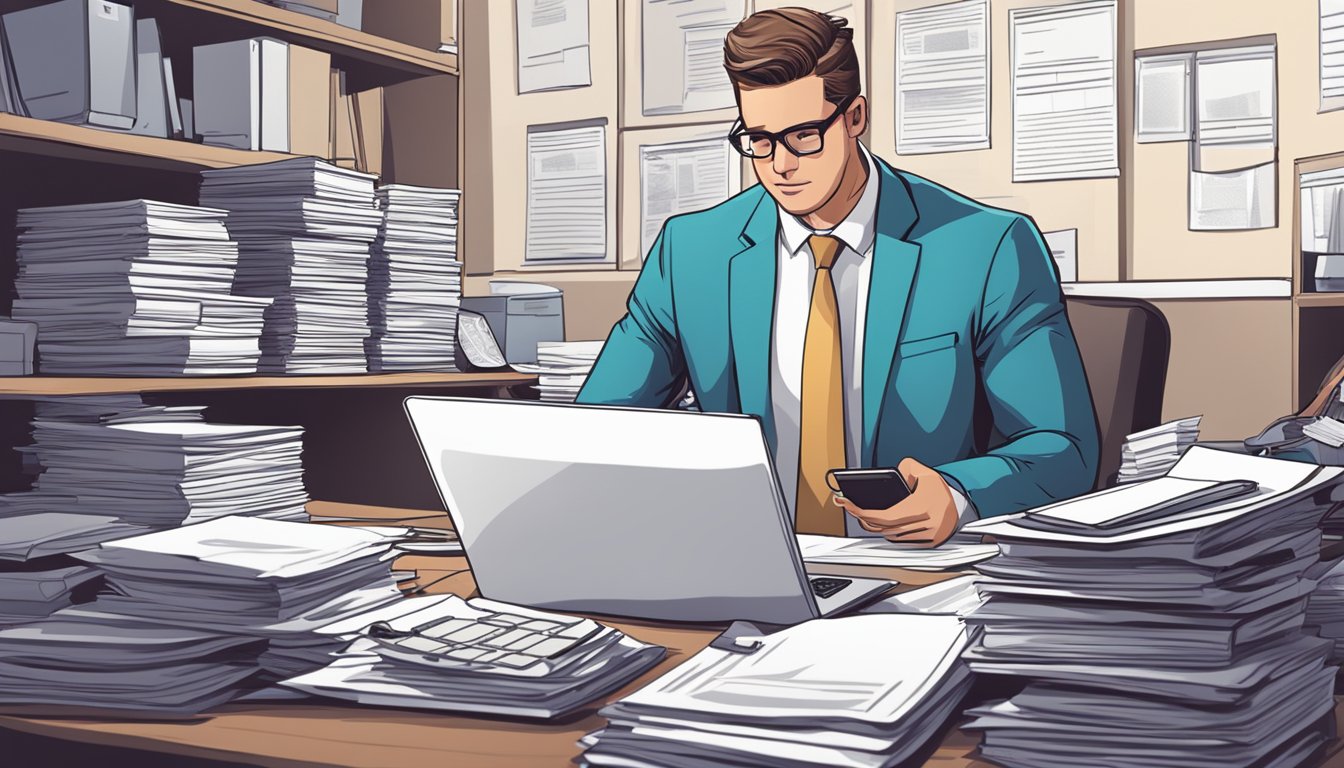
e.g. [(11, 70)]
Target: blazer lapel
[(751, 309), (895, 261)]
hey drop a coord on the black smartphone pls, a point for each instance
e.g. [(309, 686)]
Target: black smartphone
[(868, 488)]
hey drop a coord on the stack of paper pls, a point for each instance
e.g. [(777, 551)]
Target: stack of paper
[(1165, 639), (81, 657), (303, 227), (1326, 430), (159, 467), (1152, 452), (37, 577), (483, 657), (134, 288), (415, 280), (813, 694), (562, 368), (1325, 608)]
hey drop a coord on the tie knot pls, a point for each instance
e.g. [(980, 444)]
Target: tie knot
[(824, 249)]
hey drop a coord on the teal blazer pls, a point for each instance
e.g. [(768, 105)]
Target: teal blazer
[(969, 365)]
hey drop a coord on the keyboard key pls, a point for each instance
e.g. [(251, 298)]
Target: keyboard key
[(550, 647), (517, 661), (421, 644), (443, 629), (472, 633), (508, 638), (539, 625), (526, 642)]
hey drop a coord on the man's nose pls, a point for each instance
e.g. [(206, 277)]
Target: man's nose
[(784, 162)]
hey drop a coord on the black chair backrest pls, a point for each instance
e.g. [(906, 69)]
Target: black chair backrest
[(1125, 345)]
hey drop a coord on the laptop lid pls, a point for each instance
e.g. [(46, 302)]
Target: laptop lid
[(665, 515)]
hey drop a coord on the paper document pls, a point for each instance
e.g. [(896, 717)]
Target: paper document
[(1064, 92), (682, 177), (1063, 245), (477, 341), (1140, 504), (1236, 96), (1163, 84), (838, 550), (566, 193), (553, 44), (682, 63), (942, 78), (1332, 54), (957, 597)]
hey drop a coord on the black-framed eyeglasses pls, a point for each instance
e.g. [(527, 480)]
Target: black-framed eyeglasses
[(801, 139)]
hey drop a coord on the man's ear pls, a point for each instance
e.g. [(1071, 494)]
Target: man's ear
[(856, 117)]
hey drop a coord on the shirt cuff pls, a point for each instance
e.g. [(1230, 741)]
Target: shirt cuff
[(965, 509)]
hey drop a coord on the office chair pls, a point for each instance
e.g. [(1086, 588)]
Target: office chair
[(1125, 344)]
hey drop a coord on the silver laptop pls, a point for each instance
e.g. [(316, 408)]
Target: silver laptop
[(665, 515)]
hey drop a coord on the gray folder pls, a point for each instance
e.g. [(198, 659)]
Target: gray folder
[(151, 89), (74, 61)]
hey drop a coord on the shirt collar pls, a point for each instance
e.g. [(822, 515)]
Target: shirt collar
[(856, 231)]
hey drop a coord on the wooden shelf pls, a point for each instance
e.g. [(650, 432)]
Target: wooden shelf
[(370, 60), (46, 386), (77, 142), (1319, 299), (342, 42)]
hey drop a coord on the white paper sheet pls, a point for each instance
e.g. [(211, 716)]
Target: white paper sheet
[(1332, 54), (1242, 199), (566, 193), (942, 78), (1063, 85), (681, 177), (553, 44), (1163, 97), (839, 550), (814, 670), (682, 55), (1235, 88), (1063, 245), (957, 597)]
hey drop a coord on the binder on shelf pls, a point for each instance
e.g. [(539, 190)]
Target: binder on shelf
[(344, 150), (9, 98), (368, 130), (74, 62), (262, 94), (151, 87), (174, 103), (187, 109)]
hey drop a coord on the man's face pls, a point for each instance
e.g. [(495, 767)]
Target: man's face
[(801, 185)]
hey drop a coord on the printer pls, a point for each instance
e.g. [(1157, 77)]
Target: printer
[(520, 315)]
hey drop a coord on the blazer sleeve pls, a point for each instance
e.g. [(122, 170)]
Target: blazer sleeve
[(641, 364), (1032, 377)]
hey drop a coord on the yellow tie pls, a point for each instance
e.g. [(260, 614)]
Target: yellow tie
[(822, 418)]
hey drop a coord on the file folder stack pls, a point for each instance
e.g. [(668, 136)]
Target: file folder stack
[(1167, 639), (304, 228), (134, 288), (415, 280), (1325, 609), (1150, 453), (159, 467), (37, 577), (482, 657), (562, 368), (811, 695)]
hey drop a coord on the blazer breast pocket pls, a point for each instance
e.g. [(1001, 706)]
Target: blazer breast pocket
[(926, 376), (924, 346)]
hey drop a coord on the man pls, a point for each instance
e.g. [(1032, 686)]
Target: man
[(867, 316)]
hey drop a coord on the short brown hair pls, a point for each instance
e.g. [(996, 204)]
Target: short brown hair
[(780, 46)]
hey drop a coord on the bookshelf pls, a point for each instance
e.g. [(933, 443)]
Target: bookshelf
[(358, 446)]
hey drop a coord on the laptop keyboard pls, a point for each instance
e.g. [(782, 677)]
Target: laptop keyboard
[(825, 586), (496, 639)]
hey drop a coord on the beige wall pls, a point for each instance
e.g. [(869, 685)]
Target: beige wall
[(1090, 205), (1230, 361), (1163, 247), (495, 121)]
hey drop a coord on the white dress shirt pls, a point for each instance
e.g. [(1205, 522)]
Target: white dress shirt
[(851, 273)]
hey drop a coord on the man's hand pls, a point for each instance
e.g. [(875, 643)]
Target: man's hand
[(928, 516)]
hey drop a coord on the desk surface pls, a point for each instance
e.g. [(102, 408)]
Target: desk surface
[(292, 735)]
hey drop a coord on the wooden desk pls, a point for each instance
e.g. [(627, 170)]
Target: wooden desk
[(307, 735)]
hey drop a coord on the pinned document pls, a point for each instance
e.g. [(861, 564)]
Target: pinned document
[(553, 44), (682, 54), (942, 78), (681, 177), (566, 193)]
